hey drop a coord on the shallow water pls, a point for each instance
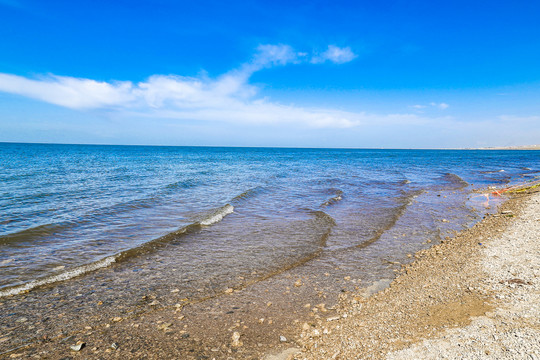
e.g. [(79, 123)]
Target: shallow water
[(205, 219)]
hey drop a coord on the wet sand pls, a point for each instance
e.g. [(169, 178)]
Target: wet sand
[(291, 310)]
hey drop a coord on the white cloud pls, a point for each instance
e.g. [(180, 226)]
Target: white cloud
[(335, 54), (441, 106), (228, 98), (69, 92)]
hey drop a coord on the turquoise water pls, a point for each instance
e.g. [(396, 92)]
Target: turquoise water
[(216, 213)]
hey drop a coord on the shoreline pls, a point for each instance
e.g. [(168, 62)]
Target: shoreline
[(242, 324), (475, 296)]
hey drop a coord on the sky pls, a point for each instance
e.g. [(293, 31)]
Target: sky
[(363, 74)]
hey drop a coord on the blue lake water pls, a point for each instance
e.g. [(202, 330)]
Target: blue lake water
[(214, 214)]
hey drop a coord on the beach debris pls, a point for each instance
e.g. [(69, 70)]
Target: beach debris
[(282, 338), (229, 291), (306, 326), (21, 320), (175, 290), (116, 319), (114, 346), (269, 303), (333, 318), (236, 339), (298, 283), (78, 347)]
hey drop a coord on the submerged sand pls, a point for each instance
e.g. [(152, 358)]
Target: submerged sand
[(474, 296)]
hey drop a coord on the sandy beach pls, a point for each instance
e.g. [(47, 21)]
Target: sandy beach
[(473, 296)]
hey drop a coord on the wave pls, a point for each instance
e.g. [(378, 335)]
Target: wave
[(33, 232), (247, 194), (218, 215), (392, 221), (183, 184), (210, 219), (455, 182), (338, 196), (66, 275)]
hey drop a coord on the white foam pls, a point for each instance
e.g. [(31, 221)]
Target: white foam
[(218, 216), (59, 277)]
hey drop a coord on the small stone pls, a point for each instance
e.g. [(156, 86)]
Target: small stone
[(21, 320), (347, 278), (305, 326), (298, 283), (117, 319), (269, 303), (175, 290), (307, 306), (282, 338), (229, 291), (114, 345), (78, 347), (236, 339)]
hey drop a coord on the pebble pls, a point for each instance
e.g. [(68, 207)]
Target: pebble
[(282, 338), (78, 347), (114, 345), (236, 339)]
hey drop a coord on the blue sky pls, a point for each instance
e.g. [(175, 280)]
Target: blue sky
[(394, 74)]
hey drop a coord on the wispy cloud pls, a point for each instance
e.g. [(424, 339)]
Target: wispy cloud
[(335, 54), (441, 106), (228, 98)]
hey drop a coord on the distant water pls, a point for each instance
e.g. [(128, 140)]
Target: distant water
[(215, 213)]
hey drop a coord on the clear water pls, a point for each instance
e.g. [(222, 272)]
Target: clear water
[(212, 215)]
